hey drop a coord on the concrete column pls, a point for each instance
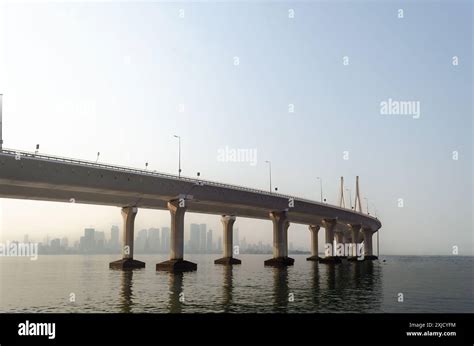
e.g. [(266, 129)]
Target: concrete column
[(280, 240), (355, 235), (339, 238), (346, 238), (314, 229), (228, 224), (127, 261), (339, 245), (128, 216), (284, 245), (177, 230), (368, 251), (176, 262), (330, 227)]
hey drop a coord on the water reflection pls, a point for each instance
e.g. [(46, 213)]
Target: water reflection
[(281, 289), (315, 285), (228, 287), (346, 287), (349, 287), (126, 291), (331, 275), (176, 295)]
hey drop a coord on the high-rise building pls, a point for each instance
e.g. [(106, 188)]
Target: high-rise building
[(209, 241), (55, 245), (165, 239), (64, 242), (26, 239), (99, 241), (194, 238), (219, 244), (89, 240), (235, 237), (203, 236), (154, 240), (114, 238), (141, 241)]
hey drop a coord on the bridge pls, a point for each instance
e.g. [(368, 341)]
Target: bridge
[(34, 176), (27, 175)]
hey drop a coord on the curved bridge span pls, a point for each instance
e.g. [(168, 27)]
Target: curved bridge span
[(26, 175)]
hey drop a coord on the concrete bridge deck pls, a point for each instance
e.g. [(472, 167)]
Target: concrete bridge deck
[(26, 175)]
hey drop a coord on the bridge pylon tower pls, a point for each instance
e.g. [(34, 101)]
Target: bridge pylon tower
[(357, 202), (342, 203)]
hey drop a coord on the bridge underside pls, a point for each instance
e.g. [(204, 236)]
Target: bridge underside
[(117, 199), (47, 179)]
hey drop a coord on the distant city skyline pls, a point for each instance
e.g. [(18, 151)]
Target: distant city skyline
[(147, 241)]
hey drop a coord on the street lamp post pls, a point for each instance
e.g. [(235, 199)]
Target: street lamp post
[(320, 187), (270, 172), (179, 155)]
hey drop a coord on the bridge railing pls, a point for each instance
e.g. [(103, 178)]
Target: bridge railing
[(119, 168)]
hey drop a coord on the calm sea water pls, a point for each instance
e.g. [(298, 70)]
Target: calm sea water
[(428, 284)]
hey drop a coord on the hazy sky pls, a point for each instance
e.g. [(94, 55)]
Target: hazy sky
[(115, 77)]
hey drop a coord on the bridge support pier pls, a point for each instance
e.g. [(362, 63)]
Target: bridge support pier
[(228, 259), (314, 229), (127, 262), (368, 252), (340, 245), (280, 241), (330, 227), (176, 263), (355, 235)]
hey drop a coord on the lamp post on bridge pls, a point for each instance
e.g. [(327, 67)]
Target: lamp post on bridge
[(179, 155), (320, 187), (270, 171), (367, 201)]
